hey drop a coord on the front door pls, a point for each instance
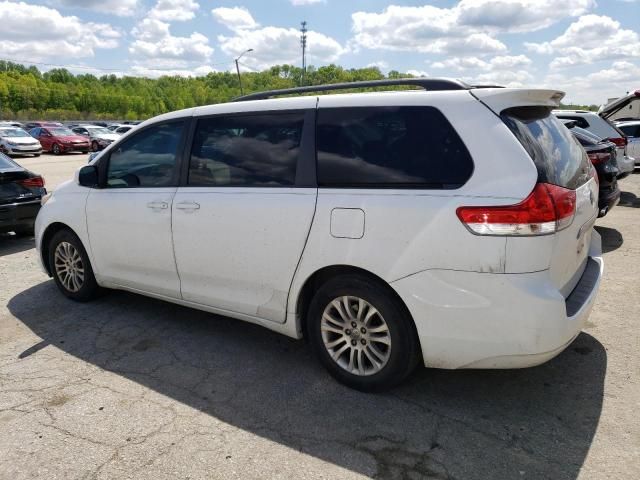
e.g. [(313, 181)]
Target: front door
[(129, 219), (241, 222)]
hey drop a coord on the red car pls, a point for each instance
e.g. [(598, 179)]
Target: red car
[(60, 140)]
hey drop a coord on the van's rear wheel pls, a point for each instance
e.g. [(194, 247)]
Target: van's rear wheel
[(362, 333), (70, 267)]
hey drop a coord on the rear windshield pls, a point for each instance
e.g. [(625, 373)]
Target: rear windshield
[(559, 158), (6, 162)]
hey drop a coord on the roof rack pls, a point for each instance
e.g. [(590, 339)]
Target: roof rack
[(425, 83)]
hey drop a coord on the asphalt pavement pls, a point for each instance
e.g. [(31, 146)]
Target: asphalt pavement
[(127, 387)]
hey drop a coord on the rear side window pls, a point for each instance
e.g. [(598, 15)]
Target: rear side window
[(246, 150), (559, 158), (392, 147), (580, 122), (6, 162)]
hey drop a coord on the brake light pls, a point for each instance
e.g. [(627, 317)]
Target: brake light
[(547, 209), (33, 182), (619, 141), (598, 157)]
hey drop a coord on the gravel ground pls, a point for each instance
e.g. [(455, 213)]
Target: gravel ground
[(132, 388)]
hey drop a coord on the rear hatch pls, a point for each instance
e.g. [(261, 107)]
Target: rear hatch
[(561, 162), (614, 110)]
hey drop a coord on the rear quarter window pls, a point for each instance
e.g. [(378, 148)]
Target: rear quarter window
[(559, 158), (389, 147)]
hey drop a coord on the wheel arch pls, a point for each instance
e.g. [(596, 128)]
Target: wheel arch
[(321, 276), (48, 234)]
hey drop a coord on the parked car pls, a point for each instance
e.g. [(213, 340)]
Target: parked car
[(123, 129), (100, 137), (114, 126), (20, 194), (623, 108), (11, 124), (603, 157), (32, 125), (373, 223), (604, 129), (59, 140), (632, 130), (15, 141)]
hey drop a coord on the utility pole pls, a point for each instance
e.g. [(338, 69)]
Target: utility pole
[(303, 44), (238, 69)]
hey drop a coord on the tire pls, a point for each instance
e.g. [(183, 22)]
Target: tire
[(67, 245), (380, 311), (56, 149), (94, 146), (36, 154)]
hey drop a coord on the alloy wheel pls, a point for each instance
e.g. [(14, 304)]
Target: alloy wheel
[(69, 266), (56, 149), (355, 335)]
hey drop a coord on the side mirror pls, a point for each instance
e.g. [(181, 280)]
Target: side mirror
[(88, 176)]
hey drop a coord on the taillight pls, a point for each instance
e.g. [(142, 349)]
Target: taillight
[(598, 157), (547, 209), (33, 182), (619, 141)]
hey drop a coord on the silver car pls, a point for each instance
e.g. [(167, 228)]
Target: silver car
[(100, 137)]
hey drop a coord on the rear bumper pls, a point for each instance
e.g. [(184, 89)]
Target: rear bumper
[(607, 199), (626, 165), (484, 320), (18, 215)]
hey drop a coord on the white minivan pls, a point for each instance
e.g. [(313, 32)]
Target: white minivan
[(451, 227)]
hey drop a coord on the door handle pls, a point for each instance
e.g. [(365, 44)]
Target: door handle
[(158, 205), (187, 206)]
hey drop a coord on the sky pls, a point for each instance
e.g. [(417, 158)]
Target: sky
[(588, 48)]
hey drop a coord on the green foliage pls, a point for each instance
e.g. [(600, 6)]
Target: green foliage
[(26, 93), (593, 108)]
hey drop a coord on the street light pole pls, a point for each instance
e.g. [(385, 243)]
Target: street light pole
[(238, 69)]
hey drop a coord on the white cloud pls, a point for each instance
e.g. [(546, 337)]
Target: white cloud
[(380, 64), (174, 10), (122, 8), (276, 45), (468, 27), (507, 70), (35, 32), (155, 47), (518, 15), (589, 39), (236, 18), (596, 87)]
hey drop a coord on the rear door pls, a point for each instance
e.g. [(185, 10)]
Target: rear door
[(560, 161), (243, 213)]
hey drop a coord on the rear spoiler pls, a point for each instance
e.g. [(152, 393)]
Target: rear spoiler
[(499, 99)]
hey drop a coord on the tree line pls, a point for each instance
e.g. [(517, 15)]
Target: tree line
[(26, 93)]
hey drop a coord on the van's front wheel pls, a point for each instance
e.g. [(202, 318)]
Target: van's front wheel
[(70, 267), (362, 334)]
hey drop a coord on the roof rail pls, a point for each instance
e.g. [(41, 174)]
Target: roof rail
[(425, 83)]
